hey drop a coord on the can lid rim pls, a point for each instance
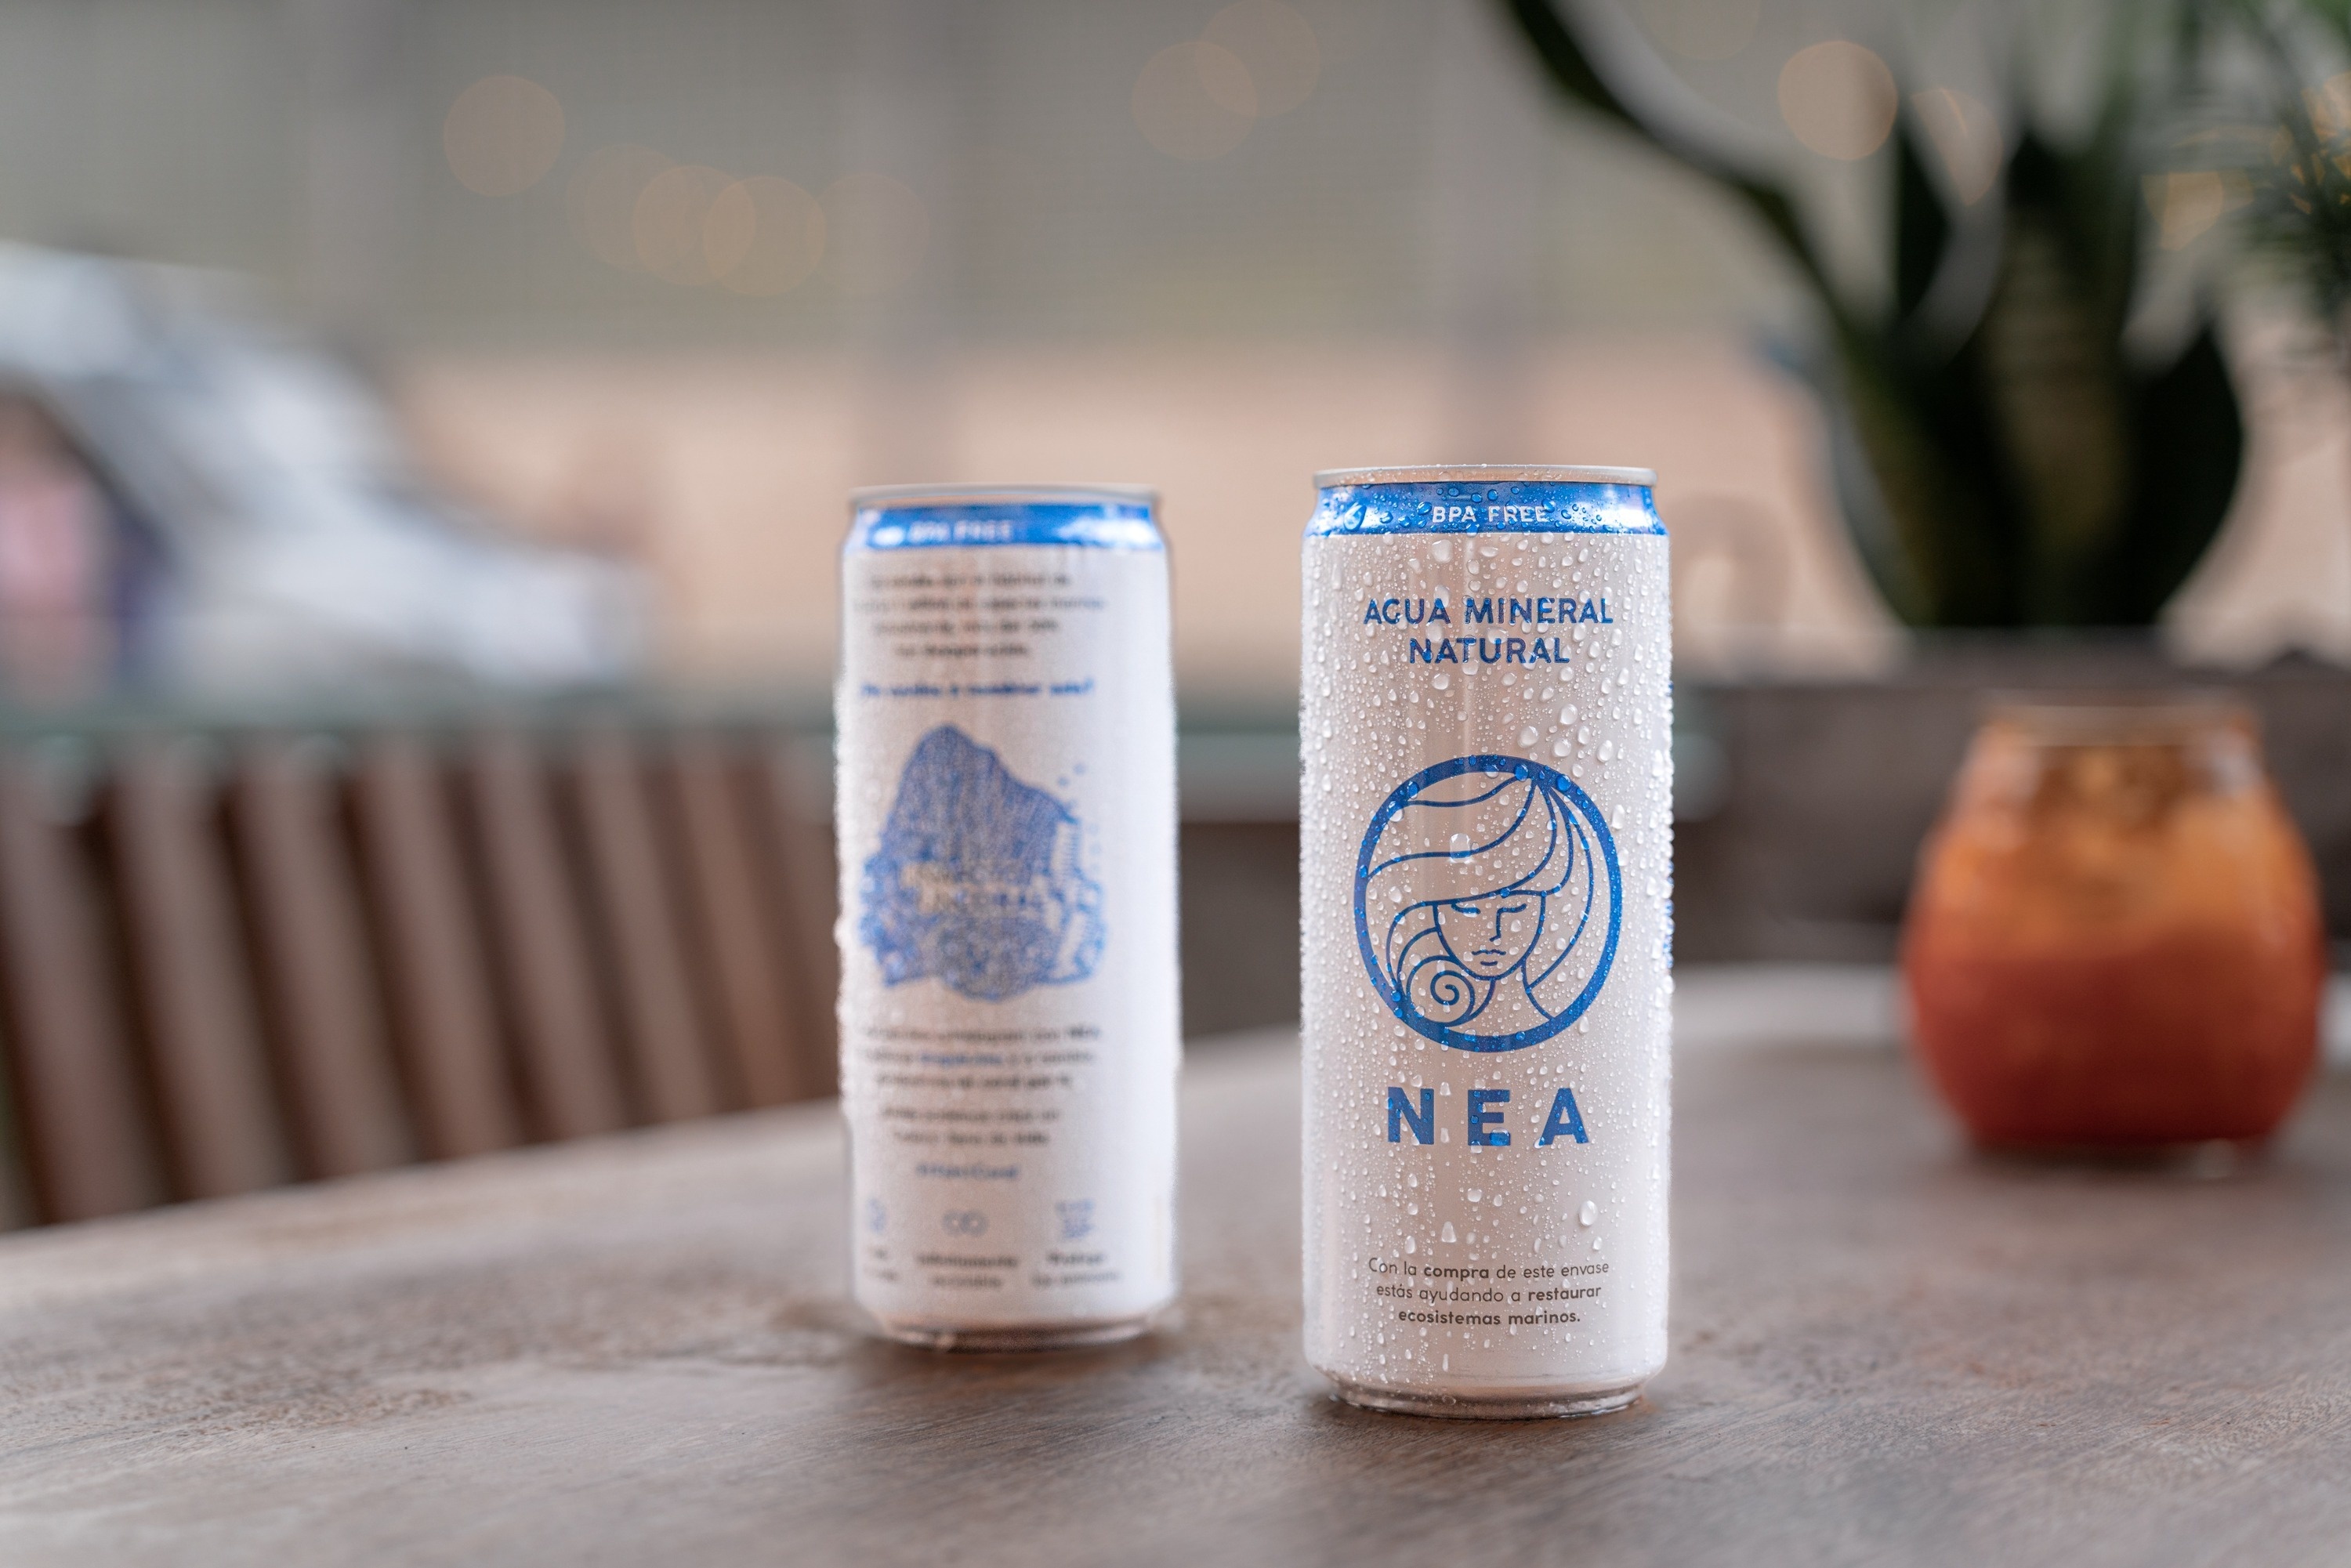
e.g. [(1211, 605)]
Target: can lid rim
[(893, 494), (1479, 472)]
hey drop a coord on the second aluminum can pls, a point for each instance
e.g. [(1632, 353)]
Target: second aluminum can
[(1486, 845), (1006, 813)]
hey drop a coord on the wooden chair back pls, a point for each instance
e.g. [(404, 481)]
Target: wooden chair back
[(230, 961)]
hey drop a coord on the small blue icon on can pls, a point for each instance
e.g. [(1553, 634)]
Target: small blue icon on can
[(963, 1222), (1077, 1217), (876, 1216)]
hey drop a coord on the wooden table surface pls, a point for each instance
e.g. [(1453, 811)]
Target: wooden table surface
[(635, 1350)]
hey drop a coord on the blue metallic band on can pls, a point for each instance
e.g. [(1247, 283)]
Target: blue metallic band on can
[(1494, 506), (962, 525)]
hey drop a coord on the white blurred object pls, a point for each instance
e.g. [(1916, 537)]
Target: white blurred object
[(300, 550), (2278, 579)]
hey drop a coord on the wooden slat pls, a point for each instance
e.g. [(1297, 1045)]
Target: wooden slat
[(573, 1085), (190, 977), (87, 1143), (737, 919), (645, 938), (318, 983), (443, 1013), (780, 784)]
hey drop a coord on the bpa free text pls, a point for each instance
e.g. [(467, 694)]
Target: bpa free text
[(1451, 512)]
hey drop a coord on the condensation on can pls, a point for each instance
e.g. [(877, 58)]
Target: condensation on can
[(1005, 810), (1487, 860)]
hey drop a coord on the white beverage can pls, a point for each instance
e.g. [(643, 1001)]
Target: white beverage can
[(1487, 860), (1005, 812)]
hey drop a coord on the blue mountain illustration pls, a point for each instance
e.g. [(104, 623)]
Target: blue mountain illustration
[(976, 882)]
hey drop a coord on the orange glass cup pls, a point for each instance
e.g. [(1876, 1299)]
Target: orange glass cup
[(2115, 941)]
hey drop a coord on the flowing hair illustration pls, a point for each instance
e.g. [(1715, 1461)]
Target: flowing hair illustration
[(1481, 896)]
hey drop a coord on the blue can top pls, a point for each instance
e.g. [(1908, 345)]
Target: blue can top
[(1486, 500), (926, 517)]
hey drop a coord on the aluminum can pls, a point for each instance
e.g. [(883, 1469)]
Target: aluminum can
[(1006, 814), (1487, 861)]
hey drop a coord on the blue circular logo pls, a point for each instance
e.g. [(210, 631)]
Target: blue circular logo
[(1488, 902)]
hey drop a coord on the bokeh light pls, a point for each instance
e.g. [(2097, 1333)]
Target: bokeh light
[(602, 201), (668, 222), (875, 230), (763, 235), (1276, 46), (1839, 99), (1702, 29), (1966, 133), (1194, 101), (502, 135)]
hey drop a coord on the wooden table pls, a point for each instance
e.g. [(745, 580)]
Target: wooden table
[(635, 1350)]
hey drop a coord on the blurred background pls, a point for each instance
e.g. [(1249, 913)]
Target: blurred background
[(424, 429), (1021, 240)]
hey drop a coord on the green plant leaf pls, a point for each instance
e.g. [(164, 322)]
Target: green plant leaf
[(1922, 228), (2189, 445), (1936, 470), (1572, 72), (2053, 385)]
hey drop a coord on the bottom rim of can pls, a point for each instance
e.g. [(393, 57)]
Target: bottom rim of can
[(998, 1338), (1529, 1406)]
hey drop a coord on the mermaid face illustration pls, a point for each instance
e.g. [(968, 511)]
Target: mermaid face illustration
[(1487, 903), (1492, 936)]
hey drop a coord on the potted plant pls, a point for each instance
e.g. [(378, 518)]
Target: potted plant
[(2026, 478), (2003, 457)]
